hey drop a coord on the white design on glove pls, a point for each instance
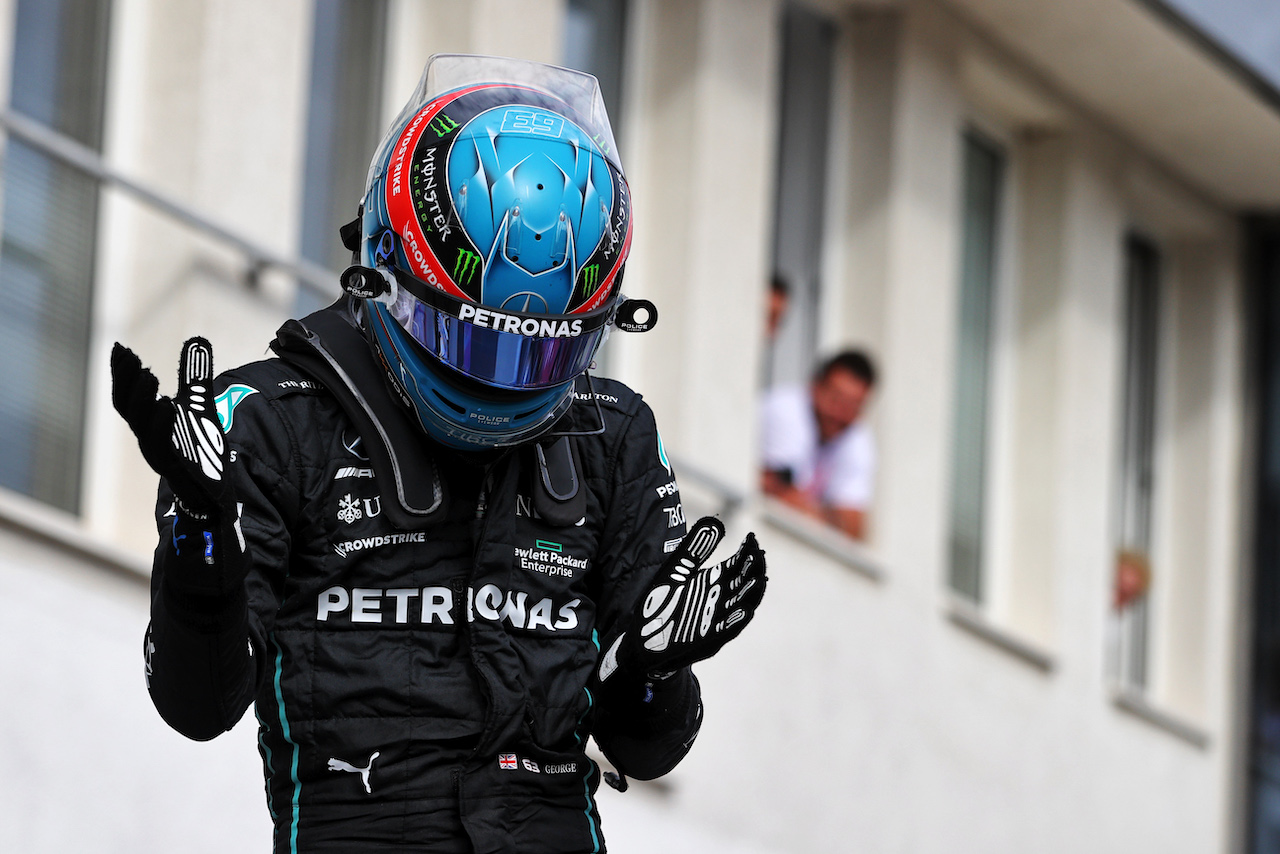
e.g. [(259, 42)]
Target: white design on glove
[(691, 612), (697, 591), (197, 435)]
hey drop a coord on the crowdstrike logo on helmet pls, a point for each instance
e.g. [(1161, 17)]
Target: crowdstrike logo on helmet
[(397, 169), (415, 251)]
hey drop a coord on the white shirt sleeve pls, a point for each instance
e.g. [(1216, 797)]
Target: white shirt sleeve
[(787, 432), (853, 474)]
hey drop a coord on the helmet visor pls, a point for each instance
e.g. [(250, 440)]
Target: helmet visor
[(501, 348)]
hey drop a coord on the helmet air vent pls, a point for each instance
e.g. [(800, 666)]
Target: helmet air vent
[(449, 403)]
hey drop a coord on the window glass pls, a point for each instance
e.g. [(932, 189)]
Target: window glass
[(984, 166), (47, 248), (808, 44), (343, 114), (1133, 548), (595, 42)]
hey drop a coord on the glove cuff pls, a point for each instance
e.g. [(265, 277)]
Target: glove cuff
[(196, 511), (203, 558)]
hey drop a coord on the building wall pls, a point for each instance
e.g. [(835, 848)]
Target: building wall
[(883, 715), (869, 709)]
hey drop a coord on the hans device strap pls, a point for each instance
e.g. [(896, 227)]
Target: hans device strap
[(328, 346)]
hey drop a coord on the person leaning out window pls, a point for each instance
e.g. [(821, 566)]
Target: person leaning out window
[(819, 454)]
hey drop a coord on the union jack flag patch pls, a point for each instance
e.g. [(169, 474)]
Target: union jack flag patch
[(507, 760)]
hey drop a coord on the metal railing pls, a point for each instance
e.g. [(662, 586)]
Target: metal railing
[(730, 498), (322, 281)]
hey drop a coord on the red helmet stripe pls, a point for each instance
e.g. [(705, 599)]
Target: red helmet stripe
[(422, 261)]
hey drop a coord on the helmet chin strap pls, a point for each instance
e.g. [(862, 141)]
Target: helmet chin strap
[(555, 434), (632, 315)]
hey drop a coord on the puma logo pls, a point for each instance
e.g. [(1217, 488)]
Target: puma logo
[(340, 765)]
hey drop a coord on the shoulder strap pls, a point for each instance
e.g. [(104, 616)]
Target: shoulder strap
[(327, 345)]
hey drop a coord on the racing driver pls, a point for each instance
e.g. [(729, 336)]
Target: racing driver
[(433, 550)]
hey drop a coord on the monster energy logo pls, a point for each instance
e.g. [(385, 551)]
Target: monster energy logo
[(590, 279), (443, 125), (464, 268)]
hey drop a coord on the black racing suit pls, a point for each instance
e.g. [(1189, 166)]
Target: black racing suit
[(422, 682)]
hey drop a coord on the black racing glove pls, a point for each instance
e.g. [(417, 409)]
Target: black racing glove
[(691, 611), (182, 440)]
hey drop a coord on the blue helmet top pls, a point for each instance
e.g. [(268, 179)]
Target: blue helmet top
[(497, 211)]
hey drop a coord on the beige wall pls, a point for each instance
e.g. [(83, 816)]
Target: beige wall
[(702, 76), (914, 724)]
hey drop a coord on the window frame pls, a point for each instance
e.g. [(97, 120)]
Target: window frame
[(979, 587), (75, 105), (340, 108), (1136, 479), (791, 356)]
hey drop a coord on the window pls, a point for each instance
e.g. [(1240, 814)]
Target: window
[(984, 167), (343, 125), (801, 178), (47, 249), (595, 42), (1137, 460)]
